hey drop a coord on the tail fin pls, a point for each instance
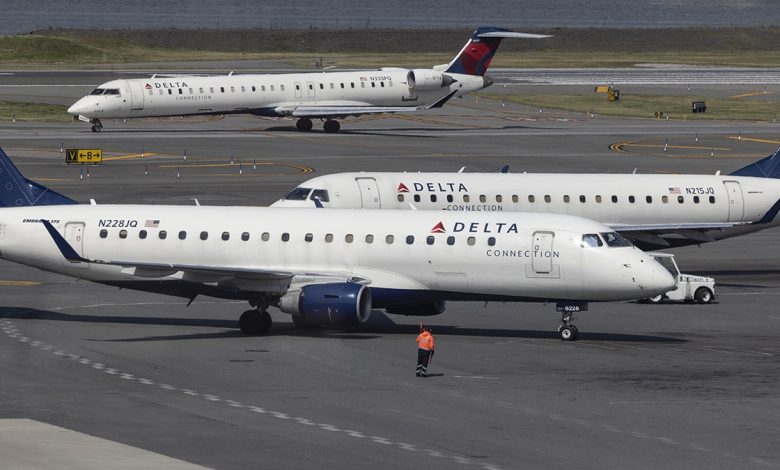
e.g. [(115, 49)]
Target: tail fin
[(475, 57), (767, 167), (18, 191)]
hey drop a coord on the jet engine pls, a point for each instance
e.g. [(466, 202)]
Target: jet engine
[(343, 303), (422, 79), (424, 309)]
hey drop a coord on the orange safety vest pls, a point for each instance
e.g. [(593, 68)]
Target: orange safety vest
[(425, 341)]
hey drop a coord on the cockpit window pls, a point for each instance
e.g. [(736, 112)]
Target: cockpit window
[(111, 91), (321, 194), (615, 239), (591, 240), (298, 194), (97, 91)]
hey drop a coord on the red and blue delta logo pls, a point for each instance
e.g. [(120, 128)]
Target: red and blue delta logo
[(438, 228), (148, 87), (402, 188)]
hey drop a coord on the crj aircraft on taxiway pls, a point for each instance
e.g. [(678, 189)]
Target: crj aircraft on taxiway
[(305, 96)]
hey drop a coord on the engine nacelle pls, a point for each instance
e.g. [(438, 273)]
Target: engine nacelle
[(423, 79), (342, 303), (425, 309)]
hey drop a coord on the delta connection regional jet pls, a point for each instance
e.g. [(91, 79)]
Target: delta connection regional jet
[(327, 267), (655, 211), (317, 95)]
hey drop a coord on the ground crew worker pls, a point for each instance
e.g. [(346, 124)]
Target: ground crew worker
[(424, 351)]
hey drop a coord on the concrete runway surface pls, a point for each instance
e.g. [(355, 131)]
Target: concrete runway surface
[(672, 386)]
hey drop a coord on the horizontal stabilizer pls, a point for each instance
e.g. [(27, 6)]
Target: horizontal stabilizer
[(768, 167), (441, 101)]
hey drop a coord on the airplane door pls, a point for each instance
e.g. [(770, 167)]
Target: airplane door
[(311, 89), (736, 203), (542, 252), (136, 95), (74, 235), (369, 193), (298, 91)]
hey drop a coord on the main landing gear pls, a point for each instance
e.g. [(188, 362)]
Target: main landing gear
[(330, 126), (97, 126), (255, 322)]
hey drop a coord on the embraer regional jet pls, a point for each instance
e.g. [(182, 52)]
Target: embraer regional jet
[(306, 96), (325, 267), (655, 211)]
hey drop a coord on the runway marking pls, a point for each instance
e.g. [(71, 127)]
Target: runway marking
[(753, 139), (753, 93), (475, 377), (12, 283), (130, 156), (9, 329)]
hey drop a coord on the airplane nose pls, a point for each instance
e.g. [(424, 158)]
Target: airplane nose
[(660, 280), (75, 108)]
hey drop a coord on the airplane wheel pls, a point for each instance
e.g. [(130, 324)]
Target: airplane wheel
[(703, 295), (304, 124), (655, 299), (331, 126), (254, 322), (96, 128), (569, 333)]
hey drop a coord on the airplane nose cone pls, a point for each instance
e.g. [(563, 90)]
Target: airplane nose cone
[(660, 280), (75, 108)]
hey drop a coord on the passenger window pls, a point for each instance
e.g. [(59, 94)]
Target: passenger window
[(211, 89), (390, 83), (680, 199), (308, 237), (322, 87), (285, 237), (582, 198), (200, 90), (566, 198), (265, 236), (499, 198), (591, 240), (547, 198), (433, 198), (695, 199), (243, 89), (712, 199), (181, 92), (531, 198), (429, 240), (598, 199), (123, 234), (649, 199), (349, 238), (491, 241), (253, 88), (311, 87), (297, 87), (182, 235), (482, 198), (272, 88), (466, 198), (190, 90), (409, 239), (352, 84), (329, 238), (416, 198), (631, 199), (222, 89), (245, 236), (382, 84), (515, 199), (170, 92), (262, 87), (281, 87), (369, 239), (332, 86), (373, 84), (400, 198), (450, 240), (142, 234), (389, 239), (226, 236), (342, 85), (204, 236), (103, 233), (232, 89), (614, 198), (471, 241), (362, 84), (163, 235), (665, 199)]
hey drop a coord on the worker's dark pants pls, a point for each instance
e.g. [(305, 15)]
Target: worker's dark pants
[(423, 357)]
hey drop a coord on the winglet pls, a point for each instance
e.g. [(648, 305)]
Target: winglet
[(441, 101), (67, 251), (767, 167)]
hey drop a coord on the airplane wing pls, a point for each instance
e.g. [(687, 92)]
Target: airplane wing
[(339, 111), (651, 235), (245, 277)]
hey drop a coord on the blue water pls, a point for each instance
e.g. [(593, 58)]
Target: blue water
[(25, 16)]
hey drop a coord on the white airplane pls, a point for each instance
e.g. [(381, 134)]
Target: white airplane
[(655, 211), (325, 267), (306, 96)]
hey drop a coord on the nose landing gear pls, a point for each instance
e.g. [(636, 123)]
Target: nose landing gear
[(567, 330), (97, 126)]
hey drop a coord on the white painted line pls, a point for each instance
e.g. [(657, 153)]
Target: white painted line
[(380, 440), (434, 453), (406, 446), (127, 376), (475, 377), (276, 414), (187, 391), (328, 427), (234, 403), (305, 421), (257, 409), (146, 381), (167, 387), (356, 434)]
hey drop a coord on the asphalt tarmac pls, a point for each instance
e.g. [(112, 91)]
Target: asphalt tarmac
[(673, 386)]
